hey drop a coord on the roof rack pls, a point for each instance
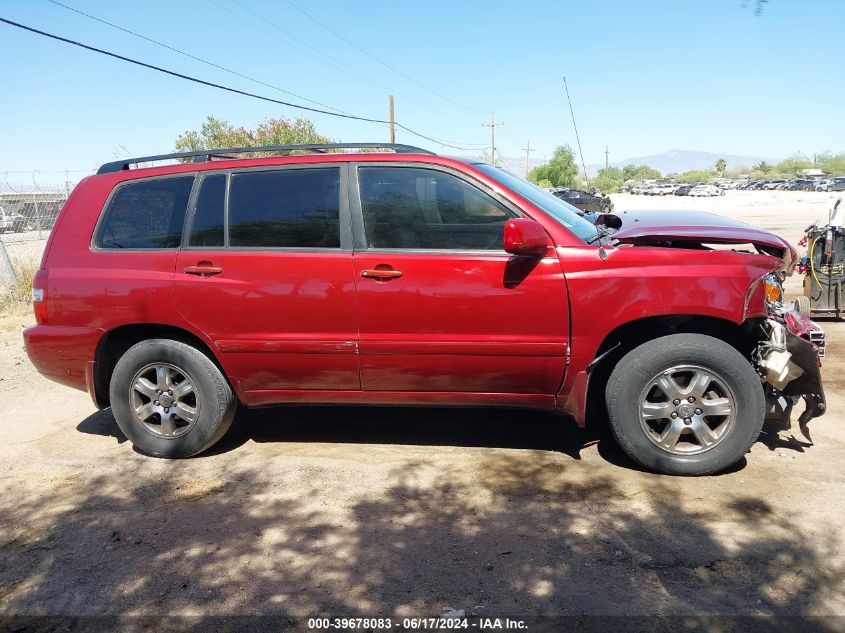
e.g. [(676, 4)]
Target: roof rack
[(206, 155)]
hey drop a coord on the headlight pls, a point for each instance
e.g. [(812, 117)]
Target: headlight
[(774, 289)]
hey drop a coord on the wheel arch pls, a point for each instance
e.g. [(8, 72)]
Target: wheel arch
[(627, 336), (115, 342)]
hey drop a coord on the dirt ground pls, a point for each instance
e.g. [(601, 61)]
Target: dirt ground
[(306, 512)]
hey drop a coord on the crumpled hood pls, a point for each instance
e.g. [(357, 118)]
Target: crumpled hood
[(650, 227)]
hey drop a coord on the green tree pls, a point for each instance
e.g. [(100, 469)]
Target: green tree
[(763, 167), (561, 170), (639, 172), (608, 179), (721, 165), (793, 165), (696, 176), (216, 134), (831, 164)]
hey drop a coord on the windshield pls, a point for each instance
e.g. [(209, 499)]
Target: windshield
[(561, 211)]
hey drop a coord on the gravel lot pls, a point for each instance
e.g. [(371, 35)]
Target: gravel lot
[(305, 512)]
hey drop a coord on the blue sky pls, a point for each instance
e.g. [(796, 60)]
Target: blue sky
[(644, 76)]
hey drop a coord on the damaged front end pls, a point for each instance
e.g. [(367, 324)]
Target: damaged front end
[(788, 358)]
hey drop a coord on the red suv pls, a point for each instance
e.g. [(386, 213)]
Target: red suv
[(395, 276)]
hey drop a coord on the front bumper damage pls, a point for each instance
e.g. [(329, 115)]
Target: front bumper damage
[(788, 359)]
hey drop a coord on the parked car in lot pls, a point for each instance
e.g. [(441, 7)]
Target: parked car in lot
[(39, 215), (665, 189), (706, 191), (10, 221), (836, 184), (683, 189), (586, 202), (801, 184), (7, 222), (777, 183), (400, 277)]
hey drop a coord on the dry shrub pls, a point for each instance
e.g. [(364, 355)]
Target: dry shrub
[(18, 291)]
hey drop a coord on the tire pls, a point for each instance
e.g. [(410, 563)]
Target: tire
[(802, 304), (198, 389), (695, 442)]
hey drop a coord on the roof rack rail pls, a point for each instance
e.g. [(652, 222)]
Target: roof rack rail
[(206, 155)]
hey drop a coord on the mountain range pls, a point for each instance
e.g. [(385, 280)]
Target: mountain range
[(674, 161), (677, 161)]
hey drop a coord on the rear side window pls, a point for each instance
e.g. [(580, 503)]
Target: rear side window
[(291, 208), (147, 214), (207, 226)]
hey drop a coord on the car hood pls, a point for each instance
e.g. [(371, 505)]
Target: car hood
[(655, 227)]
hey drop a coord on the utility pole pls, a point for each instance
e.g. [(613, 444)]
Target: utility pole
[(527, 149), (492, 125), (606, 154), (392, 122)]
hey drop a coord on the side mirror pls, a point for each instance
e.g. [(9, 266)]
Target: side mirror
[(525, 237), (610, 220)]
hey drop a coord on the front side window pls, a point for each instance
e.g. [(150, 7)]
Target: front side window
[(291, 208), (147, 214), (415, 208), (562, 211)]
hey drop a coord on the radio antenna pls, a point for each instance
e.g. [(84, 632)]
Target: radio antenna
[(577, 139)]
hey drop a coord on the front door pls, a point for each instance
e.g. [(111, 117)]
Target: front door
[(441, 306), (266, 272)]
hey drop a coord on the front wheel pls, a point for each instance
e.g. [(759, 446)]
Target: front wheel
[(685, 404), (170, 399)]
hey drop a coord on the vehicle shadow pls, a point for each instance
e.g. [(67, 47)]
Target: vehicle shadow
[(427, 426)]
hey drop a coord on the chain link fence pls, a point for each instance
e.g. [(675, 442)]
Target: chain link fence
[(26, 219)]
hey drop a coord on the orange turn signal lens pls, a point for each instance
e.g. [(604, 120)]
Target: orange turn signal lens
[(773, 292)]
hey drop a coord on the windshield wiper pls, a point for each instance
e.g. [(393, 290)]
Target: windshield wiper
[(601, 231)]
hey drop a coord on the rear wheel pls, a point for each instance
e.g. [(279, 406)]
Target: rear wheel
[(685, 404), (170, 399)]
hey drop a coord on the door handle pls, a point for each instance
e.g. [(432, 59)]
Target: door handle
[(381, 274), (203, 269)]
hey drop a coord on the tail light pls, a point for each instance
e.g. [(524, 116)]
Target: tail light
[(39, 296)]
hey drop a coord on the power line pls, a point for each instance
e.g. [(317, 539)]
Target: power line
[(317, 50), (354, 44), (345, 67), (203, 82), (191, 56)]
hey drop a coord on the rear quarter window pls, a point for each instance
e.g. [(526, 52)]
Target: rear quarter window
[(146, 214)]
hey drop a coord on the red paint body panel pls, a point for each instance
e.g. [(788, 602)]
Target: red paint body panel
[(280, 320), (57, 352), (455, 328), (545, 402), (460, 322), (680, 226)]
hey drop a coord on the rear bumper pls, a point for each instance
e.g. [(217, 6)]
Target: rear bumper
[(63, 354)]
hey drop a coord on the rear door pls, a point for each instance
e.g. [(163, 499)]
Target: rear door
[(441, 306), (266, 272)]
